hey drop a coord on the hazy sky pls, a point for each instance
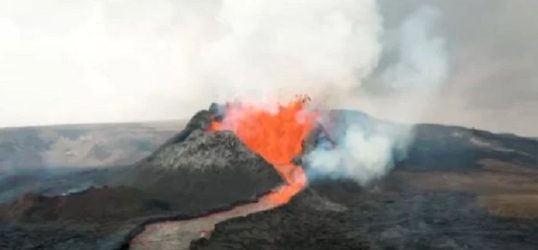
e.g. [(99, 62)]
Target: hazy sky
[(76, 61), (493, 52)]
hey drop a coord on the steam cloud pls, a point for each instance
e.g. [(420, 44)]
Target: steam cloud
[(271, 50), (221, 50), (364, 151), (267, 50)]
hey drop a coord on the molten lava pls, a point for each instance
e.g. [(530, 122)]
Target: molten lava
[(276, 135)]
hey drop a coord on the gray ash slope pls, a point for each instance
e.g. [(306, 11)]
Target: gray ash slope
[(203, 169), (194, 173)]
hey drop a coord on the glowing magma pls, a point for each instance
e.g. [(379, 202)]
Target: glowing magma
[(277, 135)]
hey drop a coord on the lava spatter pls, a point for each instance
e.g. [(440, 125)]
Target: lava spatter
[(275, 134)]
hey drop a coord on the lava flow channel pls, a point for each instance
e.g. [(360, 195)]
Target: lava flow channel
[(276, 135)]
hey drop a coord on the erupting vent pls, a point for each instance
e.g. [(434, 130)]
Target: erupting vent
[(277, 135)]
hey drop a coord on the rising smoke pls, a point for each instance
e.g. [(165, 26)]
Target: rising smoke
[(364, 151), (267, 50), (123, 56), (271, 50)]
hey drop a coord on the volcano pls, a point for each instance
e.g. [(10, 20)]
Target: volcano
[(457, 188)]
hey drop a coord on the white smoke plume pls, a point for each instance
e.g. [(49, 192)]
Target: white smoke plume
[(143, 60), (260, 51), (267, 50), (366, 150), (165, 59)]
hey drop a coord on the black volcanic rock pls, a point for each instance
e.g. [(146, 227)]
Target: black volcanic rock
[(335, 215), (309, 221), (458, 148), (193, 173)]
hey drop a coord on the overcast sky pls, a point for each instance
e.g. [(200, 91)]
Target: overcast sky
[(107, 61)]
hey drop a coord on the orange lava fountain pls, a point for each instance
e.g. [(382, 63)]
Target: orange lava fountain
[(276, 135)]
